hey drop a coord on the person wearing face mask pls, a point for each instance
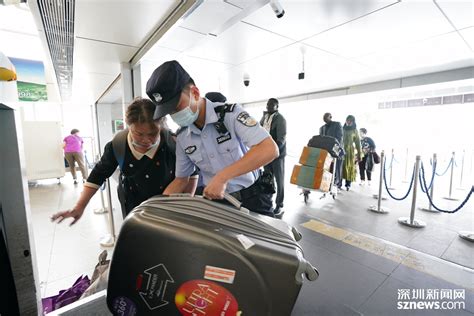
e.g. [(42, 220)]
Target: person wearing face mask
[(223, 141), (147, 165), (275, 124)]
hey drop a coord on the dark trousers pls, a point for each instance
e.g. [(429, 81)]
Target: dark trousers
[(363, 170), (277, 169), (338, 173)]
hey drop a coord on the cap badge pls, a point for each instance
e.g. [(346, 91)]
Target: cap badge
[(157, 97)]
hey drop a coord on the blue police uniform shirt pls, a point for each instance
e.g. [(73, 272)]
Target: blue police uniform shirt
[(212, 151)]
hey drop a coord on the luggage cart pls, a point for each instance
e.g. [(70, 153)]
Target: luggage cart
[(332, 190)]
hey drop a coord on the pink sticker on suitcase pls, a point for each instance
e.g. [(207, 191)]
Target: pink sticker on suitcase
[(219, 274)]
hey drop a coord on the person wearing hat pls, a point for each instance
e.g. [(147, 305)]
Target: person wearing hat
[(223, 141)]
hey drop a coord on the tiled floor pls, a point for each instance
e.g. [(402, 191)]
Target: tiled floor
[(353, 281)]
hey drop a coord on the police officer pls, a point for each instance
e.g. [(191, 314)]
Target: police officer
[(224, 142), (275, 124)]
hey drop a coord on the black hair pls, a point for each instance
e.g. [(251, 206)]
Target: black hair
[(272, 101), (353, 120), (74, 131), (363, 130)]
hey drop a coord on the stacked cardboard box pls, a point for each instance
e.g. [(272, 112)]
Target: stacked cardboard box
[(313, 173)]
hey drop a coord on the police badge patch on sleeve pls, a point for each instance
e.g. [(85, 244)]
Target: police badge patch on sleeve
[(189, 150), (246, 119)]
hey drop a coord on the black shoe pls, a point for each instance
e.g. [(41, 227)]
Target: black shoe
[(278, 212), (75, 181)]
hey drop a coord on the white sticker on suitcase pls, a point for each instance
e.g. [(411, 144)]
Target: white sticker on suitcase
[(219, 274), (245, 241), (153, 283)]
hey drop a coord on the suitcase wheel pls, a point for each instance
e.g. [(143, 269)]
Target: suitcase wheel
[(311, 273)]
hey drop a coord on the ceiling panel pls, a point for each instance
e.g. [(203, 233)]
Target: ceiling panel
[(436, 54), (180, 39), (158, 54), (460, 12), (100, 61), (404, 22), (101, 57), (468, 35), (119, 21), (276, 74), (209, 16), (239, 43), (26, 46), (303, 19)]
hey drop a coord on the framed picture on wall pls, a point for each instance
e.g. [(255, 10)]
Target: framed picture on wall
[(117, 125)]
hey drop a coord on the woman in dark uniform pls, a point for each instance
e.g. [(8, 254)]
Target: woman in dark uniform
[(148, 164)]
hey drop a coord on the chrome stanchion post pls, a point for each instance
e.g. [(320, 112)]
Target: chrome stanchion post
[(451, 180), (391, 171), (462, 170), (378, 208), (109, 240), (430, 207), (411, 221), (382, 168), (405, 180)]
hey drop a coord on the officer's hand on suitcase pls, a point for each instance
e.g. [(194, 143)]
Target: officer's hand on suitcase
[(75, 213), (215, 189)]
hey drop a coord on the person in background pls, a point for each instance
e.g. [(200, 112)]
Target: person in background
[(275, 124), (147, 165), (352, 151), (366, 165), (72, 146), (223, 141), (333, 129), (216, 97)]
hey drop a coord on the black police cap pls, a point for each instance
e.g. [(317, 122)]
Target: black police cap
[(165, 85)]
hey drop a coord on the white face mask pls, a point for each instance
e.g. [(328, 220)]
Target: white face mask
[(155, 144), (186, 116)]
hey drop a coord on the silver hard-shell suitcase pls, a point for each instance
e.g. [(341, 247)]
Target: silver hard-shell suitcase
[(184, 255)]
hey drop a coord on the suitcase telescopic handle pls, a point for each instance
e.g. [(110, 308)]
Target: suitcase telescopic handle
[(232, 200)]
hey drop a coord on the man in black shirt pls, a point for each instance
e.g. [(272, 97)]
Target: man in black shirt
[(275, 124), (333, 129)]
